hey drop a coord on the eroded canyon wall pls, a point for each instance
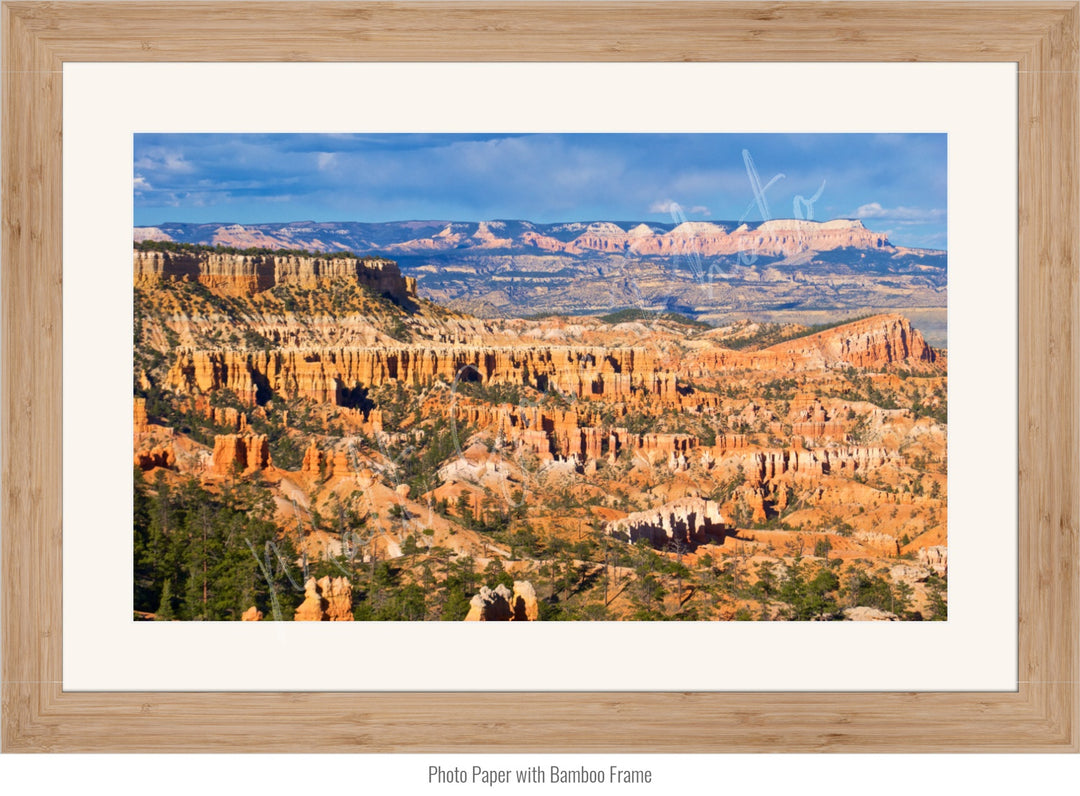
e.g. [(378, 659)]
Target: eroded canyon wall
[(245, 275)]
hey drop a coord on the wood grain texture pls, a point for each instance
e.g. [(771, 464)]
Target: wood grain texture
[(1048, 336), (1042, 715)]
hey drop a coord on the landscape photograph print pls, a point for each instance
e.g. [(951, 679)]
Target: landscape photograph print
[(540, 377)]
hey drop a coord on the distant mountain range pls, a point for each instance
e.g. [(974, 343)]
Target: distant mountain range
[(776, 238), (784, 269)]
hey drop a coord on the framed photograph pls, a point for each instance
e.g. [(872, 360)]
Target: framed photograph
[(697, 323)]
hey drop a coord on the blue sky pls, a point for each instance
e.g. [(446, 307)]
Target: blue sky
[(896, 183)]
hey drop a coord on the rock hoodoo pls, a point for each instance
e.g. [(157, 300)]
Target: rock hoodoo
[(502, 605), (236, 452), (490, 605), (313, 460), (157, 456), (687, 522), (766, 465), (326, 600), (936, 558), (324, 374), (141, 420), (524, 603)]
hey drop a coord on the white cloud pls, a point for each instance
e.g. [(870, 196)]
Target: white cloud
[(902, 215), (326, 160), (163, 160), (872, 210), (176, 162), (140, 184), (665, 206), (677, 211)]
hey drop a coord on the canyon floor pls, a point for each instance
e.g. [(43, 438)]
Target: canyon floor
[(334, 447)]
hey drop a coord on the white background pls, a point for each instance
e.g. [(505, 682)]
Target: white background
[(891, 775), (104, 104)]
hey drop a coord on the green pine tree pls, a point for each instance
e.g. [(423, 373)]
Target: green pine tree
[(165, 609)]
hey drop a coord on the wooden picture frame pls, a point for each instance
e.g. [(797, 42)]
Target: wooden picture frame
[(1041, 715)]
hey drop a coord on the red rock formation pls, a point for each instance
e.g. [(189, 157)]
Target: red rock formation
[(313, 608), (341, 466), (141, 420), (755, 499), (936, 558), (655, 447), (766, 465), (252, 614), (726, 442), (502, 605), (551, 434), (689, 521), (230, 418), (869, 343), (537, 443), (823, 430), (524, 603), (490, 605), (313, 461), (238, 274), (321, 374), (556, 434), (779, 237), (151, 267), (158, 456), (807, 408), (872, 343), (863, 613), (592, 444), (909, 574), (205, 371), (338, 594), (258, 452), (373, 422), (810, 418), (543, 242), (226, 417), (326, 600), (235, 452)]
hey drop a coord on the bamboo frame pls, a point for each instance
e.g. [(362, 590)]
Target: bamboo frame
[(1042, 715)]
